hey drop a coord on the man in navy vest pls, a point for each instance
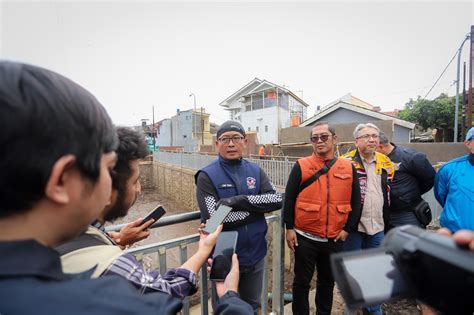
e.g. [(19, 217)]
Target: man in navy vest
[(244, 186)]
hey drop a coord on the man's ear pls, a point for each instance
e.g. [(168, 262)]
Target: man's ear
[(469, 144), (61, 173), (113, 197)]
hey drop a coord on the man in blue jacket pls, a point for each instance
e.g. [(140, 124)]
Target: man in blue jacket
[(454, 189), (244, 186), (52, 191), (413, 177)]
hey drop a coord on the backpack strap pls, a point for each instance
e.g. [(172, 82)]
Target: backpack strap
[(318, 174)]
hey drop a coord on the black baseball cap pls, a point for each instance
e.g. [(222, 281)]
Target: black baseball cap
[(230, 125)]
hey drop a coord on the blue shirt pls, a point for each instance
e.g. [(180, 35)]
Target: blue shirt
[(454, 190)]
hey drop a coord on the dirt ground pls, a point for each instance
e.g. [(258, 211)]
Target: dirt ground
[(148, 199)]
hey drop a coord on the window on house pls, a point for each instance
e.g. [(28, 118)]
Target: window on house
[(249, 128), (257, 101), (257, 128), (266, 128), (270, 99)]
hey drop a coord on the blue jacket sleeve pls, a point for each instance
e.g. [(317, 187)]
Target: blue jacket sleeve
[(441, 186), (231, 304)]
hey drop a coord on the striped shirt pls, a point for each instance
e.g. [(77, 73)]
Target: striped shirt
[(177, 282)]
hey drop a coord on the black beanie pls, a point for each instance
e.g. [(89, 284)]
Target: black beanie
[(230, 125)]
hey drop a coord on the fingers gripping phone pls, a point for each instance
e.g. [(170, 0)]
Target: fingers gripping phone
[(222, 257), (218, 217), (154, 214)]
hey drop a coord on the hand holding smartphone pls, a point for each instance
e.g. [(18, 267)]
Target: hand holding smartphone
[(154, 214), (222, 257), (218, 217)]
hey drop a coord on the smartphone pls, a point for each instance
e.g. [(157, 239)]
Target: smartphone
[(368, 277), (222, 257), (218, 217), (154, 214)]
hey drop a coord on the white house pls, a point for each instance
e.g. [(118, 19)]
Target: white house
[(265, 108)]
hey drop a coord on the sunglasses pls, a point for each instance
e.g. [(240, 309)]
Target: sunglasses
[(316, 138)]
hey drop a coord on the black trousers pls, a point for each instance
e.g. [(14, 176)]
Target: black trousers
[(309, 254)]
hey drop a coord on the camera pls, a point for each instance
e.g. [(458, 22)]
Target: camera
[(411, 262)]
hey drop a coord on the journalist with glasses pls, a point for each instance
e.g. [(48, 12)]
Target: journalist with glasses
[(233, 181), (374, 172)]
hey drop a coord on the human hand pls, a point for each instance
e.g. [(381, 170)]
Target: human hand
[(132, 233), (291, 239), (463, 238), (231, 282), (207, 241), (342, 236), (230, 202)]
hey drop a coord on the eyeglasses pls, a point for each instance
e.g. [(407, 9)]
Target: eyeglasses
[(367, 137), (316, 138), (235, 139)]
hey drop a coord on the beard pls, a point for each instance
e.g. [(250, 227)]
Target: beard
[(119, 209)]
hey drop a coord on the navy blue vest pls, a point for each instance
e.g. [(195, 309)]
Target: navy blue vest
[(232, 178)]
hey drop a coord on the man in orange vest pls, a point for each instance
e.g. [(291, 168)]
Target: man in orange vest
[(261, 151), (322, 206)]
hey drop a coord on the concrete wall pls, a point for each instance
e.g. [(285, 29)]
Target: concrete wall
[(147, 175), (171, 181), (439, 152), (343, 132), (435, 152), (182, 133), (164, 137)]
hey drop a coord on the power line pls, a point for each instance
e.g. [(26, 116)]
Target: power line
[(458, 51)]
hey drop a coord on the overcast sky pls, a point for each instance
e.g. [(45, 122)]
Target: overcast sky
[(134, 55)]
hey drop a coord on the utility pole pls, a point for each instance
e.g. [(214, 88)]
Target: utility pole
[(153, 127), (456, 109), (278, 116), (469, 99), (202, 128), (194, 120), (463, 102)]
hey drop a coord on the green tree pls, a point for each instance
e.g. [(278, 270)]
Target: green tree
[(437, 113)]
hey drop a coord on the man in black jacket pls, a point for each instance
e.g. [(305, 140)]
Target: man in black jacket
[(59, 146), (413, 177)]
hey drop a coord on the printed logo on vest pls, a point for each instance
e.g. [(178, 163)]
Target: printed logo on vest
[(226, 185), (251, 182)]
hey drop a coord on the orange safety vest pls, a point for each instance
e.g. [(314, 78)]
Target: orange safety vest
[(261, 151), (323, 207)]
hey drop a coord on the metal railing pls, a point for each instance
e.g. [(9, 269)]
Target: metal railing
[(277, 170), (277, 249)]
